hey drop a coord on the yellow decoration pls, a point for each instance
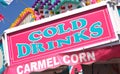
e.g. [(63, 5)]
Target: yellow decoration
[(87, 2), (51, 12), (22, 15), (98, 1)]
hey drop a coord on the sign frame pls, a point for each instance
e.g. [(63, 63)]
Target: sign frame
[(117, 16), (68, 13)]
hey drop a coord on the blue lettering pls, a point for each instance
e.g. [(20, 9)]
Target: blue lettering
[(78, 36), (75, 24), (62, 30), (37, 47), (50, 45), (32, 37), (49, 32), (60, 42), (96, 30), (23, 50)]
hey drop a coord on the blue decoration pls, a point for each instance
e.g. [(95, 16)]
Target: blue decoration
[(2, 67)]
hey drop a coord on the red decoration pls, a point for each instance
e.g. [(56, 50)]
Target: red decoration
[(62, 7), (70, 6), (1, 17)]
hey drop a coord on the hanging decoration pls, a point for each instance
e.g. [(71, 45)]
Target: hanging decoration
[(46, 8)]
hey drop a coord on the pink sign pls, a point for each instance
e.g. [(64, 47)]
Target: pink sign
[(74, 59), (71, 33)]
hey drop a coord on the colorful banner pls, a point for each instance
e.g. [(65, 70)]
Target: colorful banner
[(77, 32), (71, 59)]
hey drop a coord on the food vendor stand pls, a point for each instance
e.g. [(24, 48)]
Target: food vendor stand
[(81, 37)]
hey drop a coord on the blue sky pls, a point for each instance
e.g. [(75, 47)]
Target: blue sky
[(12, 11)]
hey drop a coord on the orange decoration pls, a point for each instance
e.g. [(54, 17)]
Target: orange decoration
[(21, 16)]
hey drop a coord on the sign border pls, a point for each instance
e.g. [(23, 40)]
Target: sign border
[(55, 17)]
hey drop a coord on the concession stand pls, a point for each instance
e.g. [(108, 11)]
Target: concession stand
[(80, 41)]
